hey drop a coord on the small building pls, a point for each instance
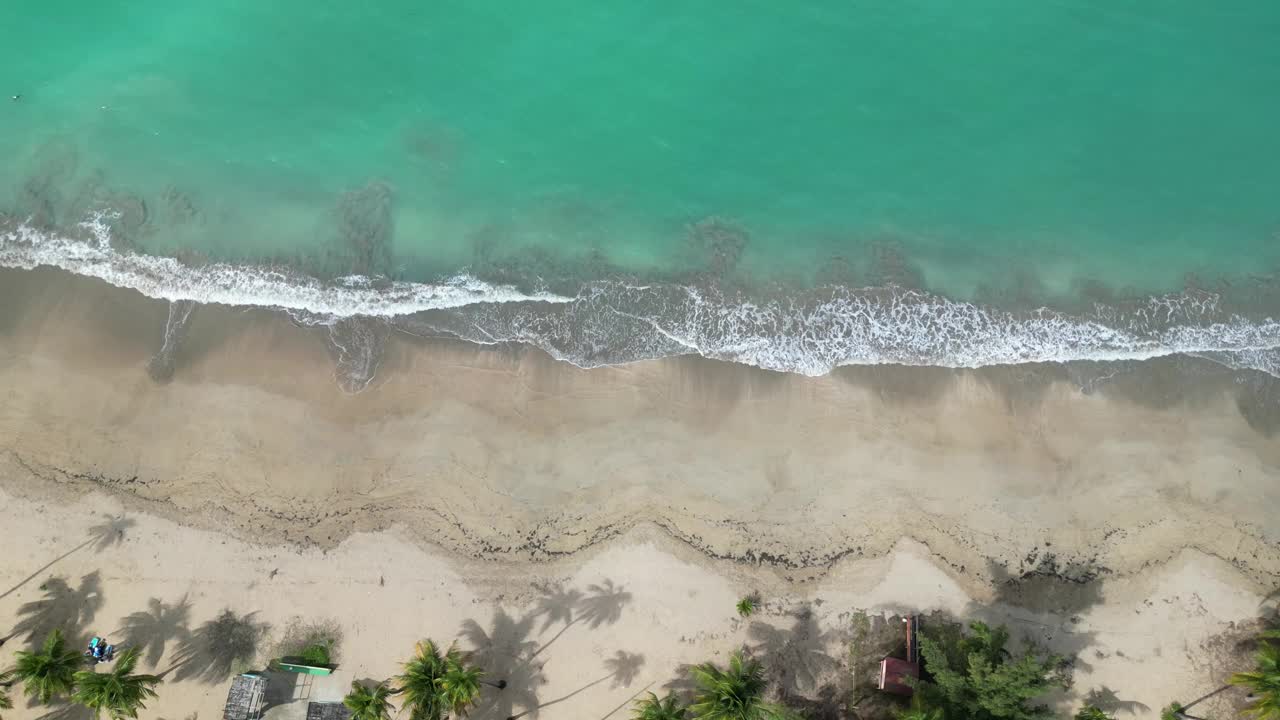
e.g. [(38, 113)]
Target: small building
[(898, 675), (245, 698)]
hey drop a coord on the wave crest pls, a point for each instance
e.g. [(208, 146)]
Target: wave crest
[(809, 332), (26, 247), (813, 332)]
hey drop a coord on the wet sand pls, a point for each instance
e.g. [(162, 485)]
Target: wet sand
[(1010, 487)]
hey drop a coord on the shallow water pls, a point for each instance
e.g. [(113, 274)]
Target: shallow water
[(745, 153)]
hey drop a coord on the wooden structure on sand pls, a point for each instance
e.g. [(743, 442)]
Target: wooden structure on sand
[(898, 675), (245, 698), (328, 711)]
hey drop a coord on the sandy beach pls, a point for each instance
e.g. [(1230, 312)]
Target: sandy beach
[(1132, 526)]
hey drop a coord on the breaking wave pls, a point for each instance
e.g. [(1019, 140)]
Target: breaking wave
[(611, 322), (26, 247), (814, 331)]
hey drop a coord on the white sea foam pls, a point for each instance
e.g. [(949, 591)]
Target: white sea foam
[(813, 333), (26, 247), (807, 332)]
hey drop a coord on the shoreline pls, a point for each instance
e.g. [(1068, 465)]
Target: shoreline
[(1013, 495), (808, 329), (253, 431)]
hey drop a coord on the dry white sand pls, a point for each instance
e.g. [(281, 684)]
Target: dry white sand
[(1148, 640)]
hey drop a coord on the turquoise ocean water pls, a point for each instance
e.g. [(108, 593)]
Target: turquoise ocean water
[(794, 185)]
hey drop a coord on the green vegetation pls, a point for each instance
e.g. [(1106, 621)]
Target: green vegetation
[(119, 693), (317, 654), (418, 682), (369, 703), (49, 672), (459, 689), (859, 637), (969, 674), (974, 677), (436, 684), (736, 693), (656, 708), (1263, 682), (918, 711), (5, 702), (311, 642)]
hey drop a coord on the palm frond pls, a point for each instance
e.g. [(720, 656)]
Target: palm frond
[(655, 708), (735, 693), (49, 672), (369, 703), (5, 702), (418, 682), (1263, 682), (119, 693)]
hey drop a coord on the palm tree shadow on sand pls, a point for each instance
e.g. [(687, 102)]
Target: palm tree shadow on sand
[(602, 604), (1105, 699), (622, 668), (682, 684), (508, 650), (62, 607), (65, 710), (102, 536), (505, 652), (1046, 586), (796, 657), (152, 630), (214, 650)]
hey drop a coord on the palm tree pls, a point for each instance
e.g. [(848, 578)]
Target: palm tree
[(655, 708), (418, 682), (5, 702), (369, 703), (436, 683), (733, 694), (49, 672), (119, 693), (918, 711), (459, 688), (1091, 712), (1263, 681)]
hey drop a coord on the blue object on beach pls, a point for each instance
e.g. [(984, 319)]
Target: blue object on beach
[(100, 651)]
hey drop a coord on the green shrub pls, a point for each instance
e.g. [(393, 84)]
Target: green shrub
[(317, 653), (974, 676)]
